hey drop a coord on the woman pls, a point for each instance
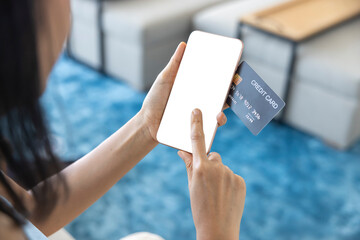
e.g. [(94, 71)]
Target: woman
[(32, 33)]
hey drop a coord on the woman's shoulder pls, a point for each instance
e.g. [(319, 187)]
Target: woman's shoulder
[(9, 230)]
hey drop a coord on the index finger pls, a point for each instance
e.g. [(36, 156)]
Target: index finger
[(197, 137)]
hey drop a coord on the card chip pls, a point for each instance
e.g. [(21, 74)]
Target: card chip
[(237, 79)]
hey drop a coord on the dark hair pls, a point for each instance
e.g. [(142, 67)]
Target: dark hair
[(24, 139)]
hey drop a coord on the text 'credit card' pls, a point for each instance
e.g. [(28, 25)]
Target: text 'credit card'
[(252, 100)]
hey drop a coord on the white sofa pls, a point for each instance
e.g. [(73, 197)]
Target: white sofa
[(324, 98), (139, 35)]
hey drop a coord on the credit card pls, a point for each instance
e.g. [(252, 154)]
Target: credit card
[(252, 100)]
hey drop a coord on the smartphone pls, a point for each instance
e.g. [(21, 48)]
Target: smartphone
[(203, 81)]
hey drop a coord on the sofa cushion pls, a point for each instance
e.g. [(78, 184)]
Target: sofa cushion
[(332, 60), (145, 22), (84, 11), (141, 21)]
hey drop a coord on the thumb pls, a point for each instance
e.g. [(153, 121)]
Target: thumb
[(172, 67), (188, 160)]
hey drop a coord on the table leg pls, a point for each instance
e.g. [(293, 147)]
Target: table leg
[(100, 6), (289, 75), (239, 29)]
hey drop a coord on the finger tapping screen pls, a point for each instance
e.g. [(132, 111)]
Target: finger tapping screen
[(202, 81)]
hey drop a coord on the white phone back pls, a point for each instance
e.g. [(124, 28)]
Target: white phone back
[(202, 81)]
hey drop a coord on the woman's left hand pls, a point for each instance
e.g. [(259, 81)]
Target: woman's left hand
[(155, 101)]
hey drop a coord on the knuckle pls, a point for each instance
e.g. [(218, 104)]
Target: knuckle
[(224, 120), (200, 169), (229, 170), (214, 156), (240, 183), (229, 174), (196, 123), (174, 61), (160, 75), (196, 134), (164, 73)]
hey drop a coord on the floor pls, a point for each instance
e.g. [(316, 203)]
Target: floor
[(297, 187)]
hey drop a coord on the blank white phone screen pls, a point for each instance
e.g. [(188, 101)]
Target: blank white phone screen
[(202, 81)]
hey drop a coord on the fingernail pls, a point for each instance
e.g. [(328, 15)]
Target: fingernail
[(179, 153), (196, 112)]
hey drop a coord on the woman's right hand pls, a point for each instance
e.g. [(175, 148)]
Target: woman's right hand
[(217, 195)]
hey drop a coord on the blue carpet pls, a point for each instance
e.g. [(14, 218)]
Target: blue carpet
[(297, 187)]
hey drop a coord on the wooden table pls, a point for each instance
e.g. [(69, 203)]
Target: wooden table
[(298, 21)]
